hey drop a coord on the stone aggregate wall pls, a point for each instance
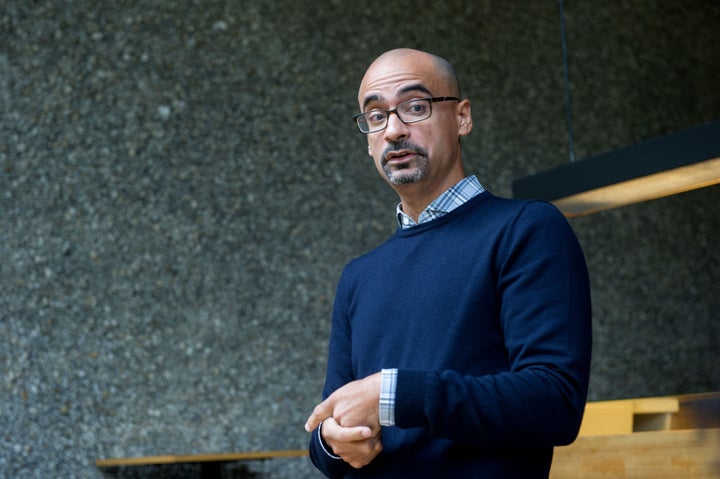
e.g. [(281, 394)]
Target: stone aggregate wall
[(181, 184)]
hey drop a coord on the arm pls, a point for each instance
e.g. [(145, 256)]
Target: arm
[(345, 428), (543, 292)]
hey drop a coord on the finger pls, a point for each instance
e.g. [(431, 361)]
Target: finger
[(321, 412)]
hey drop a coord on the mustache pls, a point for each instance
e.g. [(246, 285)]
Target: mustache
[(403, 145)]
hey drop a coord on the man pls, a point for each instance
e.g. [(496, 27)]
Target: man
[(460, 347)]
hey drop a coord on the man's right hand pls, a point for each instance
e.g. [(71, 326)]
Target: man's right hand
[(355, 445)]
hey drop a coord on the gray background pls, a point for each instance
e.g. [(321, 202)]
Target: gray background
[(181, 183)]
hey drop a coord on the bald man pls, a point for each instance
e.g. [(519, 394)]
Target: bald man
[(460, 346)]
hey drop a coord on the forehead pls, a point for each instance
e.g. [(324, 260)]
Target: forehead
[(394, 77)]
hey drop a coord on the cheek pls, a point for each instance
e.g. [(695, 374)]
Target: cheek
[(377, 164), (372, 144), (375, 152), (374, 149)]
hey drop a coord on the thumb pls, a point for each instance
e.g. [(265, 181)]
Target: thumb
[(348, 434)]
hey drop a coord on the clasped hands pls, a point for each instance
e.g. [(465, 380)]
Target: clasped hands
[(350, 421)]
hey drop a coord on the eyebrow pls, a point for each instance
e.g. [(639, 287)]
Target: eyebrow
[(410, 88)]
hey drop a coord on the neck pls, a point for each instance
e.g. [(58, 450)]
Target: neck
[(415, 197)]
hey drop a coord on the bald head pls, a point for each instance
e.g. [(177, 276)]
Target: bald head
[(436, 70)]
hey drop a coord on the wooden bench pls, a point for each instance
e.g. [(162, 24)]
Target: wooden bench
[(210, 464)]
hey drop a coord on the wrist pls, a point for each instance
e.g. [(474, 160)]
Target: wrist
[(325, 447)]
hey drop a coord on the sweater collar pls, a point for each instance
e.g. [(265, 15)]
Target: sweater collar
[(456, 195)]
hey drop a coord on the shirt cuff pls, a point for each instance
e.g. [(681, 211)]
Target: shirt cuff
[(388, 385)]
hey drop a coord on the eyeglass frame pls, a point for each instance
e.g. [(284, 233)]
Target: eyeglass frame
[(434, 99)]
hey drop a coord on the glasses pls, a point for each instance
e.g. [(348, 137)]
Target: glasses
[(410, 111)]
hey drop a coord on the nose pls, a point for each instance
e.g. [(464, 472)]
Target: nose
[(395, 129)]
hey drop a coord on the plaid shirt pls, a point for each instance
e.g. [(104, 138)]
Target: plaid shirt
[(455, 196), (443, 204)]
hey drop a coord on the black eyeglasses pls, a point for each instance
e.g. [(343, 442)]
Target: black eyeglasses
[(410, 111)]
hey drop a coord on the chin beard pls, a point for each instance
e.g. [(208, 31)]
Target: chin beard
[(408, 175)]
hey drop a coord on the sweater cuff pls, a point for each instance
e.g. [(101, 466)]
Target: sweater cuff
[(410, 397)]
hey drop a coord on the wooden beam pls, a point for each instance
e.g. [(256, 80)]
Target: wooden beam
[(199, 458), (624, 416)]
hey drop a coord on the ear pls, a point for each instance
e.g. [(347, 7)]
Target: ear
[(464, 114)]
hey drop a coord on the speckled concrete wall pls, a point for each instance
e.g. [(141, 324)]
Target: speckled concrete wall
[(181, 183)]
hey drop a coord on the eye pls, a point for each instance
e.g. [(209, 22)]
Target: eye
[(375, 116), (415, 108)]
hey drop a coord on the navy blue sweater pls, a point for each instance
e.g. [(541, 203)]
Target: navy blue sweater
[(486, 314)]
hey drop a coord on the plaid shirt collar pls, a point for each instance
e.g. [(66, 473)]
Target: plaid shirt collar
[(455, 196)]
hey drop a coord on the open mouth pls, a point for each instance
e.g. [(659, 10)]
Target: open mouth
[(396, 157)]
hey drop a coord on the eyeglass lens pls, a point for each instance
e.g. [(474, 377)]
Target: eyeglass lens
[(408, 111)]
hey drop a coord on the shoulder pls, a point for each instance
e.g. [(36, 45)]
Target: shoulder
[(513, 211), (524, 225), (370, 259)]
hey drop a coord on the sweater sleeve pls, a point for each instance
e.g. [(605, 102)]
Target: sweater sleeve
[(545, 315), (339, 372), (331, 466)]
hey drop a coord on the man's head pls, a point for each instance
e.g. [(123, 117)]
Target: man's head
[(410, 153)]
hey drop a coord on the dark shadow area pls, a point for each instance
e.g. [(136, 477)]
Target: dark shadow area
[(182, 471)]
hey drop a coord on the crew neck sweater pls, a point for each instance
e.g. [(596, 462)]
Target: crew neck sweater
[(485, 313)]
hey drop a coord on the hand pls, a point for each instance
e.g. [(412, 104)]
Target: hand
[(355, 404), (355, 445)]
